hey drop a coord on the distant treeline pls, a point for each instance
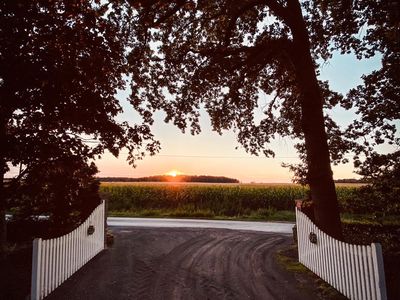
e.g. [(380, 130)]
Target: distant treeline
[(167, 178), (351, 180)]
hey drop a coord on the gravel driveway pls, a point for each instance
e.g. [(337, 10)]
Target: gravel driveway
[(185, 263)]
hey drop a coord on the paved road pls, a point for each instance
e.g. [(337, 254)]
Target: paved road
[(276, 227), (185, 263)]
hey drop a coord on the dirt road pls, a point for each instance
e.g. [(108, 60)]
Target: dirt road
[(275, 227), (173, 263)]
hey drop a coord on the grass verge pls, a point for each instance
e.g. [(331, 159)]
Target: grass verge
[(288, 259)]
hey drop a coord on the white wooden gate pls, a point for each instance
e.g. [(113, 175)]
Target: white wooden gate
[(354, 270), (55, 260)]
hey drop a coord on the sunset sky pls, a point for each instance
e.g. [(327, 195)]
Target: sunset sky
[(212, 154)]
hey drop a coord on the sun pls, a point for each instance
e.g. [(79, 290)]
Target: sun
[(173, 173)]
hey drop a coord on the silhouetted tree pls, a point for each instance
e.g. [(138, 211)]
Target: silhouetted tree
[(168, 178), (222, 54), (382, 195), (65, 190), (61, 63)]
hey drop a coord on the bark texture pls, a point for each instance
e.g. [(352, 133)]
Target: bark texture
[(3, 225), (3, 228)]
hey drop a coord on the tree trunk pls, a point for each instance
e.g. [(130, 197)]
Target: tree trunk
[(320, 179), (3, 228)]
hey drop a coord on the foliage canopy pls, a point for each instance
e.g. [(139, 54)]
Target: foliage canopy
[(222, 55), (61, 64)]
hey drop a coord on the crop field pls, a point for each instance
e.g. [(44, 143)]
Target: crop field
[(246, 201)]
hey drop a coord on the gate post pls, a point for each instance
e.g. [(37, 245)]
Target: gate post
[(105, 208), (377, 259), (36, 263)]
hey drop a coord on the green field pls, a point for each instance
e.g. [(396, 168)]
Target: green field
[(202, 200)]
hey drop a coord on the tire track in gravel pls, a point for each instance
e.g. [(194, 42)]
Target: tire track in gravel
[(185, 263), (188, 281)]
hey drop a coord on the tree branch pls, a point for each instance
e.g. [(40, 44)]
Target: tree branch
[(260, 54), (279, 10), (170, 13), (236, 16)]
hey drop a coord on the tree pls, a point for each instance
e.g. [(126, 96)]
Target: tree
[(221, 54), (381, 196), (61, 63), (65, 190)]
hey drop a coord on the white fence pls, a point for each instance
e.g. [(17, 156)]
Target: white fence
[(354, 270), (55, 260)]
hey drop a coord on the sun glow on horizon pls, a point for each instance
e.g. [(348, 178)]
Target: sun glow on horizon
[(173, 173)]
